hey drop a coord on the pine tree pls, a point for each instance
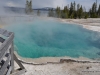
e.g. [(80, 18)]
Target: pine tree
[(65, 12), (94, 8), (30, 6), (74, 5), (71, 10), (38, 13), (58, 12), (51, 13), (99, 11), (78, 8), (28, 9), (75, 14), (80, 12), (90, 13), (85, 14), (74, 11), (94, 12)]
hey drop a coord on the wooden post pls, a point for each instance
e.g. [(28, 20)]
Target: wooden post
[(7, 50), (12, 56)]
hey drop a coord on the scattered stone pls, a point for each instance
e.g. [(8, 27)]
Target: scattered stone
[(87, 67)]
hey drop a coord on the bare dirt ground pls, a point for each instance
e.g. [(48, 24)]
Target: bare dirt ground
[(71, 68)]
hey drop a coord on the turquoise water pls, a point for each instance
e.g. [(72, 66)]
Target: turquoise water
[(54, 39)]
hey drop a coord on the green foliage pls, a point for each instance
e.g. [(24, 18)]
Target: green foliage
[(99, 11), (86, 16), (79, 12), (71, 10), (64, 13), (94, 8), (58, 12), (51, 13), (28, 9), (93, 11), (75, 14)]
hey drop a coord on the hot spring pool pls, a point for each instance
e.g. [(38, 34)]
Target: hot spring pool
[(54, 39)]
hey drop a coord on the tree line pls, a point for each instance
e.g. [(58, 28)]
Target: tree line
[(75, 11), (28, 8)]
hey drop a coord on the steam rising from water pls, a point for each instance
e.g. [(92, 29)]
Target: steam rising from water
[(36, 37), (45, 38), (9, 15)]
